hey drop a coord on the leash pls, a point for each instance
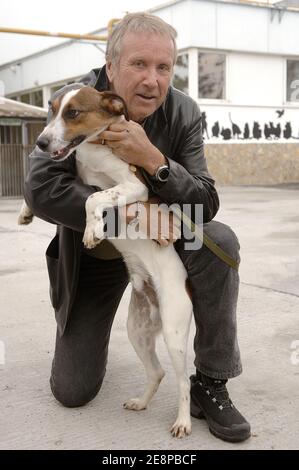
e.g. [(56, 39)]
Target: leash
[(205, 240)]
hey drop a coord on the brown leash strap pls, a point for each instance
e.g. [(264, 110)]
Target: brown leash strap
[(207, 241)]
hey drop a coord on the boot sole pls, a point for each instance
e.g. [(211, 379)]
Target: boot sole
[(198, 413)]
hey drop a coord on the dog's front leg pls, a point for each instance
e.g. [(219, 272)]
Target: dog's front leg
[(120, 195)]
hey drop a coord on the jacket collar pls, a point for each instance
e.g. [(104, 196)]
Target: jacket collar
[(102, 82)]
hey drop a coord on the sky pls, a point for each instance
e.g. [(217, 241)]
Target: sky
[(57, 16)]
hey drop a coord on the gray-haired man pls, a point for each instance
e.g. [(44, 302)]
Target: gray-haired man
[(165, 141)]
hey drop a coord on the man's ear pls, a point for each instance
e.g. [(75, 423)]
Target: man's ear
[(109, 71), (113, 104)]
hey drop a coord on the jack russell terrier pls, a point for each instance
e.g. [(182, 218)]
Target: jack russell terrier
[(156, 273)]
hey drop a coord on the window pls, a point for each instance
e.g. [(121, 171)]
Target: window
[(25, 98), (293, 80), (181, 72), (211, 76), (36, 98)]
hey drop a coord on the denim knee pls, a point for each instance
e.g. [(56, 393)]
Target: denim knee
[(74, 394), (222, 235), (226, 238)]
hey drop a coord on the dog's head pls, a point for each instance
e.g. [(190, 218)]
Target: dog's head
[(77, 116)]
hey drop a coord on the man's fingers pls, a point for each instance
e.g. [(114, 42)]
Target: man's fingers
[(119, 126), (109, 138), (163, 241), (176, 228), (98, 141), (159, 225), (113, 136)]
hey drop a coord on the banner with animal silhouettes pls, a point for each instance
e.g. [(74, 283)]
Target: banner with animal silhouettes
[(235, 123)]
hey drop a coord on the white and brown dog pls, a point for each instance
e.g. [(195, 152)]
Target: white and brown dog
[(156, 273)]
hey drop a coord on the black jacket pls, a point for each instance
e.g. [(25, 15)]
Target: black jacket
[(56, 194)]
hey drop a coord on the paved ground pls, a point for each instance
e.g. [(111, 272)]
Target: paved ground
[(267, 223)]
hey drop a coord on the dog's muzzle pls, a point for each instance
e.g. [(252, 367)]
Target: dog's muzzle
[(58, 154)]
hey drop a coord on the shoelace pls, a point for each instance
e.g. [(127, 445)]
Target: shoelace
[(218, 392)]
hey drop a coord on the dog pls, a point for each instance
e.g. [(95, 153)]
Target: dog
[(159, 299)]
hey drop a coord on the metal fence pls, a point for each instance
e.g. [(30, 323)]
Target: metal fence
[(13, 168)]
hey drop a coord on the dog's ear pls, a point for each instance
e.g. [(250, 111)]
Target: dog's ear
[(113, 104)]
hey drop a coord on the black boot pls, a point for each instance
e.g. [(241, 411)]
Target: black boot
[(210, 400)]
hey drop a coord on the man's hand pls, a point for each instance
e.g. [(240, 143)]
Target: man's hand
[(128, 140), (154, 221)]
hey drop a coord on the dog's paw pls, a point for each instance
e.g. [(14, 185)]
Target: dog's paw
[(25, 219), (99, 229), (135, 404), (90, 239), (181, 429)]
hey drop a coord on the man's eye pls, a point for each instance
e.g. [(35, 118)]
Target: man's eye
[(139, 63), (72, 113), (164, 68)]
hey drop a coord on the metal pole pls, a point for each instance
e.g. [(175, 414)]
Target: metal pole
[(32, 32)]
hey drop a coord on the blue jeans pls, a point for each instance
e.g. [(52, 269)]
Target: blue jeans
[(80, 357)]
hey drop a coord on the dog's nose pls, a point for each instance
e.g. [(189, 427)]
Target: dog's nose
[(42, 143)]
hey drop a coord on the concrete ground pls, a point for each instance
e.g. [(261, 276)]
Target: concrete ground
[(266, 220)]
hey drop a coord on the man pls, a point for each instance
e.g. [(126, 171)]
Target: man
[(164, 139)]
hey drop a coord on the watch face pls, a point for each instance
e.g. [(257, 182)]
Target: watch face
[(163, 173)]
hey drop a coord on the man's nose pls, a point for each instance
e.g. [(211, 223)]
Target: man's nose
[(151, 78), (43, 143)]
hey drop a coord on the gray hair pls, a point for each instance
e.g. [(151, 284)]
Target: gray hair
[(138, 23)]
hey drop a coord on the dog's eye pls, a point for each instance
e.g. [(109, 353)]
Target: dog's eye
[(72, 113)]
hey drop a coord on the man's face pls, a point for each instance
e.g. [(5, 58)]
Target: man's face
[(142, 75)]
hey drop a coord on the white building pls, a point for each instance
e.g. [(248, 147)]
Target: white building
[(238, 60)]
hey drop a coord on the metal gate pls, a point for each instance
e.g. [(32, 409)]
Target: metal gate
[(17, 139), (13, 168)]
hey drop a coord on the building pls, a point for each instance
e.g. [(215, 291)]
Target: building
[(20, 125), (238, 59)]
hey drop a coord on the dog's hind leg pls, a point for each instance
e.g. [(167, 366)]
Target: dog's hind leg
[(176, 312), (143, 326), (25, 215)]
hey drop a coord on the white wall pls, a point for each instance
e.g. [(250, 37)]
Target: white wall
[(240, 27), (254, 79), (284, 35), (52, 66)]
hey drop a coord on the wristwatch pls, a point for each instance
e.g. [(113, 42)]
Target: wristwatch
[(162, 173)]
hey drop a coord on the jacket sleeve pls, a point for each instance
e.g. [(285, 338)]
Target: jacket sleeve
[(54, 192), (189, 181)]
